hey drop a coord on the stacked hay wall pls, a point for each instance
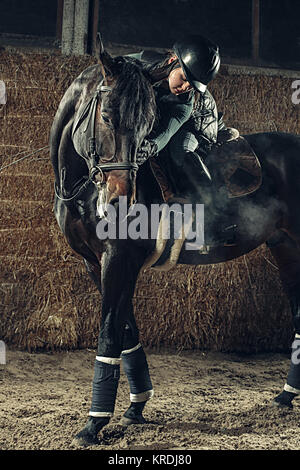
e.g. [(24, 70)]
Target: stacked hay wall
[(47, 300)]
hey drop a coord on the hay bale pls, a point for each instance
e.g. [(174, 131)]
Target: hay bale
[(27, 187), (234, 306), (28, 214), (48, 301), (256, 103)]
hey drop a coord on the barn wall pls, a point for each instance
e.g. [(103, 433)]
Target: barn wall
[(47, 300)]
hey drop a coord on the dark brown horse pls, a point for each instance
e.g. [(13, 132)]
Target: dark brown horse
[(100, 123)]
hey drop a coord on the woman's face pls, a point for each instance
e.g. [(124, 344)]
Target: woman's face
[(178, 83)]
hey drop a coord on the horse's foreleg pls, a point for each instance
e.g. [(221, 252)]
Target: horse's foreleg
[(119, 274), (94, 272), (287, 256), (136, 368)]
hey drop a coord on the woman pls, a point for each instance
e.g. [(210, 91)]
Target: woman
[(188, 117)]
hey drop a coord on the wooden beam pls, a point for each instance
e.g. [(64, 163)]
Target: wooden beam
[(93, 26), (81, 27), (59, 19), (95, 21), (68, 27), (75, 27), (255, 30)]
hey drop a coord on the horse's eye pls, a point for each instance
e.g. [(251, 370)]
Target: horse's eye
[(106, 119)]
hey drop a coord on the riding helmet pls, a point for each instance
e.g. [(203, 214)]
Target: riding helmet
[(200, 59)]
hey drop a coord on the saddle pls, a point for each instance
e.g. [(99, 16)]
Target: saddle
[(236, 168), (232, 166), (236, 172)]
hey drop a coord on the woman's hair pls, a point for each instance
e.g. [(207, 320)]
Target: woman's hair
[(161, 70)]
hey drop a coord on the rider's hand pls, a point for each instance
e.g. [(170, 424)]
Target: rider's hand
[(147, 149), (228, 134)]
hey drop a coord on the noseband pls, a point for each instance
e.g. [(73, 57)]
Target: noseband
[(103, 167)]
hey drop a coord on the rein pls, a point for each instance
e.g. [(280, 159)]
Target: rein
[(68, 199)]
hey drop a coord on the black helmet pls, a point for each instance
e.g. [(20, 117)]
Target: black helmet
[(200, 60)]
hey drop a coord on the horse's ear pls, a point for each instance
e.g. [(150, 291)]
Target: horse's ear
[(106, 61)]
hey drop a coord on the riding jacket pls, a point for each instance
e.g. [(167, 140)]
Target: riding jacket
[(191, 112)]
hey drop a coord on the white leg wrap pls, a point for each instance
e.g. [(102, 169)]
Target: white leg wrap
[(100, 414), (127, 351), (290, 389), (140, 397), (109, 360)]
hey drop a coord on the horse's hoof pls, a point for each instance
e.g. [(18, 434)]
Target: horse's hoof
[(284, 400), (282, 405), (84, 439), (136, 420), (88, 435)]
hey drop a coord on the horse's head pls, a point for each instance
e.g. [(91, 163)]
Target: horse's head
[(124, 117)]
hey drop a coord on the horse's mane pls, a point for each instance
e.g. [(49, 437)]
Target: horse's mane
[(132, 97)]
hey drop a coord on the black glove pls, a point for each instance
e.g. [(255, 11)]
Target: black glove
[(227, 134), (147, 149)]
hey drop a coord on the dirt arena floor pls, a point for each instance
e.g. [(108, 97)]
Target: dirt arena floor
[(208, 401)]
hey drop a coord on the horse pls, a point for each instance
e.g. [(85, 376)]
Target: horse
[(100, 123)]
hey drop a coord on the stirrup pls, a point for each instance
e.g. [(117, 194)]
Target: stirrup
[(231, 234)]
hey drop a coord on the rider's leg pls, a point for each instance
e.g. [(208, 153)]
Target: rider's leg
[(174, 180), (187, 162), (182, 142)]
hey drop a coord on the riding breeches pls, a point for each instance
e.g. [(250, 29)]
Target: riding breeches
[(182, 142)]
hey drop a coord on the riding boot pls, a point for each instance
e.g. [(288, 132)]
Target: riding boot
[(161, 179), (164, 184)]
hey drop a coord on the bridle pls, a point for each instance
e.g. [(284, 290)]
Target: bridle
[(102, 168), (98, 169)]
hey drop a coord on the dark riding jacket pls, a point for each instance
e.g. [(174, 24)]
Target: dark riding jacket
[(193, 112)]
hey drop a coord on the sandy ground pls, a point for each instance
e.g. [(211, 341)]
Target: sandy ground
[(207, 401)]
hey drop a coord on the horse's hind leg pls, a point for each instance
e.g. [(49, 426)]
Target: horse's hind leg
[(287, 256)]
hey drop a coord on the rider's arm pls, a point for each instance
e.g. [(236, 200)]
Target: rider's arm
[(173, 117), (136, 55), (221, 124)]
